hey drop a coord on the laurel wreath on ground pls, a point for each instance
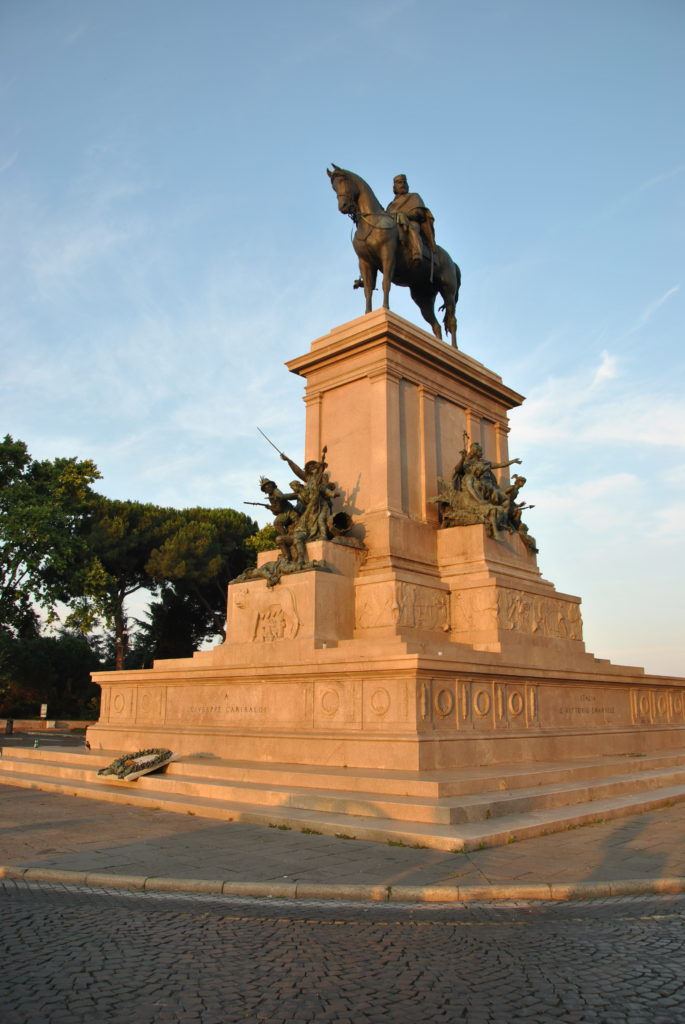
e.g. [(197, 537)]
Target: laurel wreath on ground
[(131, 766)]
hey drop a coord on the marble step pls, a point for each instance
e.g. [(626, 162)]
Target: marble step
[(226, 790), (390, 782), (371, 804), (456, 838)]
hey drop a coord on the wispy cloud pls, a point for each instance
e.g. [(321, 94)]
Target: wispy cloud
[(74, 35), (602, 503), (650, 309), (670, 519), (598, 405), (607, 370), (663, 176), (619, 204), (610, 507), (73, 248), (9, 161), (47, 251)]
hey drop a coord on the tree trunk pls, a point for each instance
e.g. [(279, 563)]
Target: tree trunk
[(120, 636)]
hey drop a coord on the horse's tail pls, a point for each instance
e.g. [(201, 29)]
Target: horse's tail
[(450, 319), (450, 322)]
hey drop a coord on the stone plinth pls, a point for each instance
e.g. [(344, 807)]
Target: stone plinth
[(427, 649), (392, 404), (316, 606)]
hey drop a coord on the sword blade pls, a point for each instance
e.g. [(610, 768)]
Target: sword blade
[(269, 440)]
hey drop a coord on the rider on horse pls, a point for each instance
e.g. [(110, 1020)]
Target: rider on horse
[(413, 219)]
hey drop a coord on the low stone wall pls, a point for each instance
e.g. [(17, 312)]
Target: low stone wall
[(43, 724)]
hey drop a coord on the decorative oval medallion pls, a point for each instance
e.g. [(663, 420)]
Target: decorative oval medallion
[(119, 702), (515, 703), (380, 700), (330, 702), (443, 702), (482, 703)]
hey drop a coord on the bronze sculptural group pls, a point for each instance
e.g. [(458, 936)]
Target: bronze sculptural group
[(400, 242), (473, 495), (303, 514)]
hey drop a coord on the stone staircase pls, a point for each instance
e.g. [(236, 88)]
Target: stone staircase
[(454, 810)]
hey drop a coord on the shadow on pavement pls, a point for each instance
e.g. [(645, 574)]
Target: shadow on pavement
[(622, 860)]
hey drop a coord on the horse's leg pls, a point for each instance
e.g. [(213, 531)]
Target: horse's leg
[(368, 273), (425, 300), (388, 255)]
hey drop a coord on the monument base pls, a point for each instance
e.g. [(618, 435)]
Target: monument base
[(348, 667), (425, 663), (422, 649)]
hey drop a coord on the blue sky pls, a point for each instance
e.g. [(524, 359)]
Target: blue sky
[(169, 238)]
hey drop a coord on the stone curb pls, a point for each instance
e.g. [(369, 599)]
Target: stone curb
[(354, 893)]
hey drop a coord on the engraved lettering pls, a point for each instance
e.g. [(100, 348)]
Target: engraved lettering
[(232, 709)]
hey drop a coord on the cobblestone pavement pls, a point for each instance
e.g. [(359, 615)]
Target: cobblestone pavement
[(122, 958)]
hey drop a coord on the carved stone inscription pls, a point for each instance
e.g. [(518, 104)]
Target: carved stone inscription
[(587, 706), (248, 704), (546, 616), (227, 708)]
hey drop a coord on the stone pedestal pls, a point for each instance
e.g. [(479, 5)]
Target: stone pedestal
[(427, 649), (316, 607)]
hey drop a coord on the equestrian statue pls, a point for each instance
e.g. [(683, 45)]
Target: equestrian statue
[(400, 242)]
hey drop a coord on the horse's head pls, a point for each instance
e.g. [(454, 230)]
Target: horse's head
[(346, 189)]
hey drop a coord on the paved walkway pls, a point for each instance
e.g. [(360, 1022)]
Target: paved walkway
[(74, 955), (158, 849)]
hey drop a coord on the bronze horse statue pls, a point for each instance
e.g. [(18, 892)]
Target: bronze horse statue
[(377, 244)]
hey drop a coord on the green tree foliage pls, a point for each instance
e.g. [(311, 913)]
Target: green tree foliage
[(184, 557), (52, 670), (46, 508), (123, 536), (262, 540), (175, 626), (200, 557), (61, 542)]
